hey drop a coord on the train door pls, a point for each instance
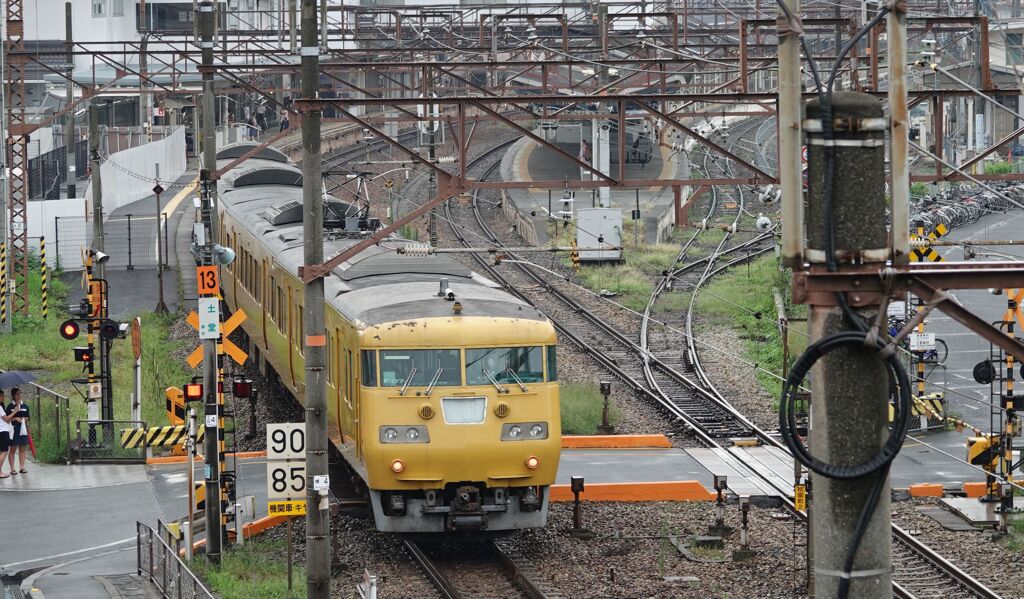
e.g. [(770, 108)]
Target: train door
[(350, 377), (262, 295), (291, 341)]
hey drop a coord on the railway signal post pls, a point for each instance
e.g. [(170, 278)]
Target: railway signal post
[(318, 522), (212, 395)]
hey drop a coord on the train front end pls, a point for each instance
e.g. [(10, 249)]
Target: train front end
[(459, 421)]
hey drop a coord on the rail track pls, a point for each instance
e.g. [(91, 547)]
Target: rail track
[(690, 400), (479, 569)]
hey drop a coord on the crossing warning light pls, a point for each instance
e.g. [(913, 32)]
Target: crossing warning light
[(194, 392), (69, 329), (83, 354)]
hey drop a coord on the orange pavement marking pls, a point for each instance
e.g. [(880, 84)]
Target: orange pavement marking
[(926, 490), (181, 459), (975, 489), (615, 441), (687, 490)]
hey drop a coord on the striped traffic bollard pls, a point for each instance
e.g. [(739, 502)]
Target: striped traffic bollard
[(43, 274), (3, 283)]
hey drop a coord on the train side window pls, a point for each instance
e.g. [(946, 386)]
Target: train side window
[(281, 307), (552, 359), (368, 359), (273, 300)]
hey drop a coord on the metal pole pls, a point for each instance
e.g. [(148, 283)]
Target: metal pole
[(161, 307), (131, 264), (69, 117), (318, 523), (850, 386), (790, 174), (97, 188), (211, 404), (292, 43), (899, 136), (191, 450)]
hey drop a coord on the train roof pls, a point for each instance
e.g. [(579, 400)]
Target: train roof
[(378, 285)]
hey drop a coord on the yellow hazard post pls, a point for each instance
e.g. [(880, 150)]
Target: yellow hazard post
[(3, 284), (175, 405), (43, 275)]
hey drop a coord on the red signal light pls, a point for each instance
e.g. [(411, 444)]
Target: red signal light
[(69, 329), (193, 392)]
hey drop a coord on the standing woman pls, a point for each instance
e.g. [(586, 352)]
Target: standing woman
[(19, 438), (6, 430)]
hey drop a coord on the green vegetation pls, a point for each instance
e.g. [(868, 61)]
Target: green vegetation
[(256, 569), (581, 408), (918, 189), (36, 345), (742, 298), (999, 167), (1015, 537), (409, 232)]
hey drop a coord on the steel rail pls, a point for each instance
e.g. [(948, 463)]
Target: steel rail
[(957, 575)]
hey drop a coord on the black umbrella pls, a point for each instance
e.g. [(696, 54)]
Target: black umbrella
[(13, 378)]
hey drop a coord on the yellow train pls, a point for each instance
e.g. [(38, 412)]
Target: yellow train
[(442, 387)]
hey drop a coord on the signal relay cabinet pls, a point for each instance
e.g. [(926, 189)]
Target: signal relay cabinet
[(599, 223)]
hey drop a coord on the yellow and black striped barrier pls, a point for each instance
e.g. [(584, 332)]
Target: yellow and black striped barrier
[(922, 250), (43, 274), (932, 405), (3, 283), (156, 436)]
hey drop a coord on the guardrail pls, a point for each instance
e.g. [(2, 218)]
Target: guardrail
[(161, 565)]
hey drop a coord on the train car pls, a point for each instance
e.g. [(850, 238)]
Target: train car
[(442, 388)]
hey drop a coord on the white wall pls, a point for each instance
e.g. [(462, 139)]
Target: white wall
[(128, 175)]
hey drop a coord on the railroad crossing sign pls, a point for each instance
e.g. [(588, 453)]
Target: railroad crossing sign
[(388, 183), (925, 251), (225, 345), (1017, 297)]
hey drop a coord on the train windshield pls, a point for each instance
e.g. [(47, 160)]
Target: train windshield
[(509, 365), (420, 367)]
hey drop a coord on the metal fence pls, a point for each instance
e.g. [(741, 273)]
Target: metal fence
[(161, 565), (48, 171), (100, 441), (129, 240)]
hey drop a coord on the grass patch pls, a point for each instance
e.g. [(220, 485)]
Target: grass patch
[(999, 167), (742, 298), (256, 569), (36, 345), (581, 408), (1015, 538)]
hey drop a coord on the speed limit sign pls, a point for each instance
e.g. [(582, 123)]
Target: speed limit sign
[(286, 461)]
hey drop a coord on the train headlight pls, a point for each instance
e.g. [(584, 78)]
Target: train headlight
[(532, 462), (524, 431), (397, 466), (404, 434)]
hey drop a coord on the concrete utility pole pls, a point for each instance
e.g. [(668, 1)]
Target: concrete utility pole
[(208, 190), (790, 167), (318, 517), (849, 388), (69, 117)]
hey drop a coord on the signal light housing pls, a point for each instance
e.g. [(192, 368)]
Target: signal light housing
[(109, 329), (194, 392), (69, 329), (83, 354), (242, 388)]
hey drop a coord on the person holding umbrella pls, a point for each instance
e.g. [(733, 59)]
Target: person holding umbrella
[(20, 436), (6, 432)]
